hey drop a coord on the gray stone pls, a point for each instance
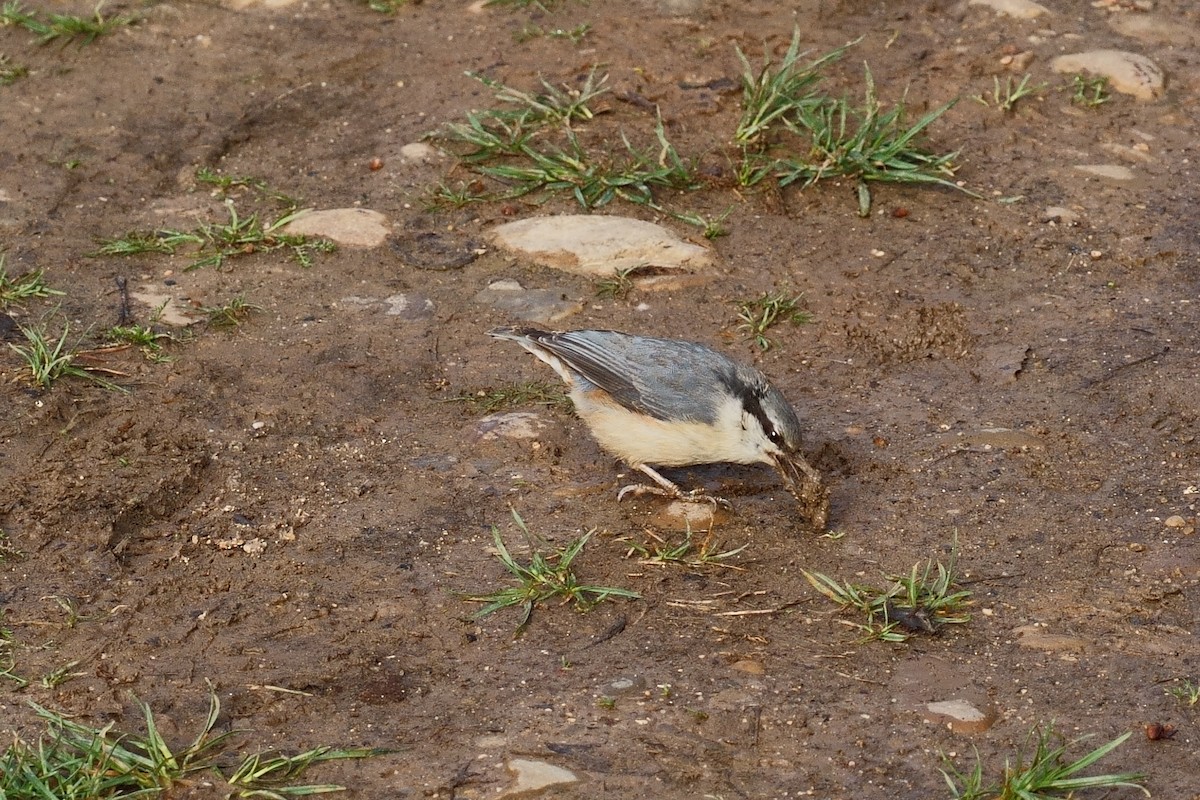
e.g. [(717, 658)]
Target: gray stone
[(409, 306), (531, 305)]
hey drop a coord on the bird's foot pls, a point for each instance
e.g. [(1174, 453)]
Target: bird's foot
[(694, 496)]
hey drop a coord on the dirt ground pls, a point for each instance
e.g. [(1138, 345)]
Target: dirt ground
[(295, 504)]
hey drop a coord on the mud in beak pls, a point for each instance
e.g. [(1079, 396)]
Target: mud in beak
[(805, 483)]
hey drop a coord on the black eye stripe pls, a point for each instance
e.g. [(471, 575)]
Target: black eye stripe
[(752, 397)]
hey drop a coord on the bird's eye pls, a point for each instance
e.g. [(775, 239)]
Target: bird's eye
[(776, 437)]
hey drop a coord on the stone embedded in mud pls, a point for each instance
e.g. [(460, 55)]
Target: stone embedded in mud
[(597, 246), (533, 776), (168, 309), (960, 716), (1021, 9), (1128, 73), (420, 153), (678, 515), (1036, 638), (437, 252), (531, 305), (513, 425), (1113, 172), (352, 227), (409, 307), (1154, 29)]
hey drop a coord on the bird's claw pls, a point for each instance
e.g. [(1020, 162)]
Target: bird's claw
[(694, 496)]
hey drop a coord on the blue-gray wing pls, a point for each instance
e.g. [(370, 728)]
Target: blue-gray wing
[(664, 378)]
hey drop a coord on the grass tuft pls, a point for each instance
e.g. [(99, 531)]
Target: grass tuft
[(16, 289), (72, 761), (758, 315), (62, 26), (920, 602), (1044, 773), (10, 73), (867, 144), (1006, 97), (489, 400), (775, 94), (532, 147), (1089, 92), (49, 359), (688, 553), (214, 243), (230, 315), (1186, 692), (543, 578)]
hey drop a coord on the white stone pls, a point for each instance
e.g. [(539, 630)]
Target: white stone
[(598, 246), (1128, 73), (533, 776), (420, 153), (352, 227), (958, 709), (512, 425), (1021, 9), (1115, 172)]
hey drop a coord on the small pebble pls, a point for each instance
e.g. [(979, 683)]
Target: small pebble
[(1175, 521)]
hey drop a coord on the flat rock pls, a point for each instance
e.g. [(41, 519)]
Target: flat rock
[(406, 306), (169, 310), (531, 305), (1035, 637), (597, 246), (1021, 9), (1128, 73), (533, 776), (1113, 172), (960, 715), (352, 227)]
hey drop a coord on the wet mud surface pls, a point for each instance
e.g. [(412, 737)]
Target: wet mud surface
[(295, 503)]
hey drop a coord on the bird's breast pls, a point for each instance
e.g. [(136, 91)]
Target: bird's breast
[(640, 439)]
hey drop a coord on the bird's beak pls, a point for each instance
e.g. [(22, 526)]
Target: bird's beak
[(805, 483)]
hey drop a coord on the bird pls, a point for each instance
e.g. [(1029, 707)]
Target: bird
[(673, 403)]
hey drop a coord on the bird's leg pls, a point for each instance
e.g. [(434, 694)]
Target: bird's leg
[(666, 488)]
